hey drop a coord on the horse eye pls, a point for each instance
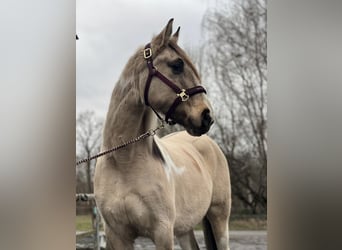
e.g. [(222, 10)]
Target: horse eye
[(177, 66)]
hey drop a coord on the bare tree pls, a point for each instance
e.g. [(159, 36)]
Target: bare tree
[(235, 62), (88, 137)]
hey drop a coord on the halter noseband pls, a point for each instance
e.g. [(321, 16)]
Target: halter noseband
[(182, 95)]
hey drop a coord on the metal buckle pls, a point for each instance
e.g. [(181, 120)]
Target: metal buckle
[(183, 95), (147, 53)]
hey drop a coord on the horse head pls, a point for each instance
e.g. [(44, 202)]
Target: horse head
[(170, 84)]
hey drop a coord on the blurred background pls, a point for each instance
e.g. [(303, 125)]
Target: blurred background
[(227, 41)]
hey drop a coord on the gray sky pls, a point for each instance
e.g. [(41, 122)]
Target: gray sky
[(111, 31)]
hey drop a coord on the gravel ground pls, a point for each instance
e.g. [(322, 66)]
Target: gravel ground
[(239, 240)]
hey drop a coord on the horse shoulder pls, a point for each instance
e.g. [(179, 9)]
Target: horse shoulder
[(217, 161), (210, 151)]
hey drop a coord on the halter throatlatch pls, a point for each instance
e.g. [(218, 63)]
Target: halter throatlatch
[(182, 95)]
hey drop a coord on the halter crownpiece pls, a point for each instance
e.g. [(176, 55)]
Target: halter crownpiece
[(182, 95)]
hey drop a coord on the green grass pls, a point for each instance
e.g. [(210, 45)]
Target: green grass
[(244, 223), (83, 223), (256, 223)]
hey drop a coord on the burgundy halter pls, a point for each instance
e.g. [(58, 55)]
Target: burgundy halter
[(182, 95)]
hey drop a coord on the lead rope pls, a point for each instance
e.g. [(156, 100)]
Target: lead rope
[(149, 133)]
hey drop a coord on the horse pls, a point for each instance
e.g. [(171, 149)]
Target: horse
[(162, 187)]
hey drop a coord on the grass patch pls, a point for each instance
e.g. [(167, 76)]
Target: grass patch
[(244, 222), (248, 222), (83, 223)]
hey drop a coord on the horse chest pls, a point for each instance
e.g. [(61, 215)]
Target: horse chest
[(137, 205), (126, 210)]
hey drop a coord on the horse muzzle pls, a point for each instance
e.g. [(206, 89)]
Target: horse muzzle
[(203, 126)]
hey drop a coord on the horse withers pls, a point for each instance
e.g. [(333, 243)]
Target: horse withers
[(162, 187)]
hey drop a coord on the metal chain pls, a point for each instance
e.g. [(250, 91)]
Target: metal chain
[(150, 132)]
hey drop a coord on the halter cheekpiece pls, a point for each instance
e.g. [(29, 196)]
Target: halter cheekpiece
[(182, 95)]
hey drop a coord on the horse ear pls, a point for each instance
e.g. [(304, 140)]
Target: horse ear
[(175, 36), (164, 36)]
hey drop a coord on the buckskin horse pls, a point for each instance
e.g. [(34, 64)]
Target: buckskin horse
[(162, 187)]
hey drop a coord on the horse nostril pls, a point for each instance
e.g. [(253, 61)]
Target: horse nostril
[(206, 118)]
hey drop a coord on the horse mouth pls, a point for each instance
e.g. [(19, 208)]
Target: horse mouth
[(197, 131), (191, 128)]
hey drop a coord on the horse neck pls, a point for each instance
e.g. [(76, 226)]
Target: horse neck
[(128, 118)]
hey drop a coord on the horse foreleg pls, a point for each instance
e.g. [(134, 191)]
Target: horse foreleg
[(218, 218), (163, 237), (188, 241), (115, 241)]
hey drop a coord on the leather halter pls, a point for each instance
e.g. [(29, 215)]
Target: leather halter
[(182, 95)]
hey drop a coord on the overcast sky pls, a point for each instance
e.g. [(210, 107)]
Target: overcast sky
[(110, 32)]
